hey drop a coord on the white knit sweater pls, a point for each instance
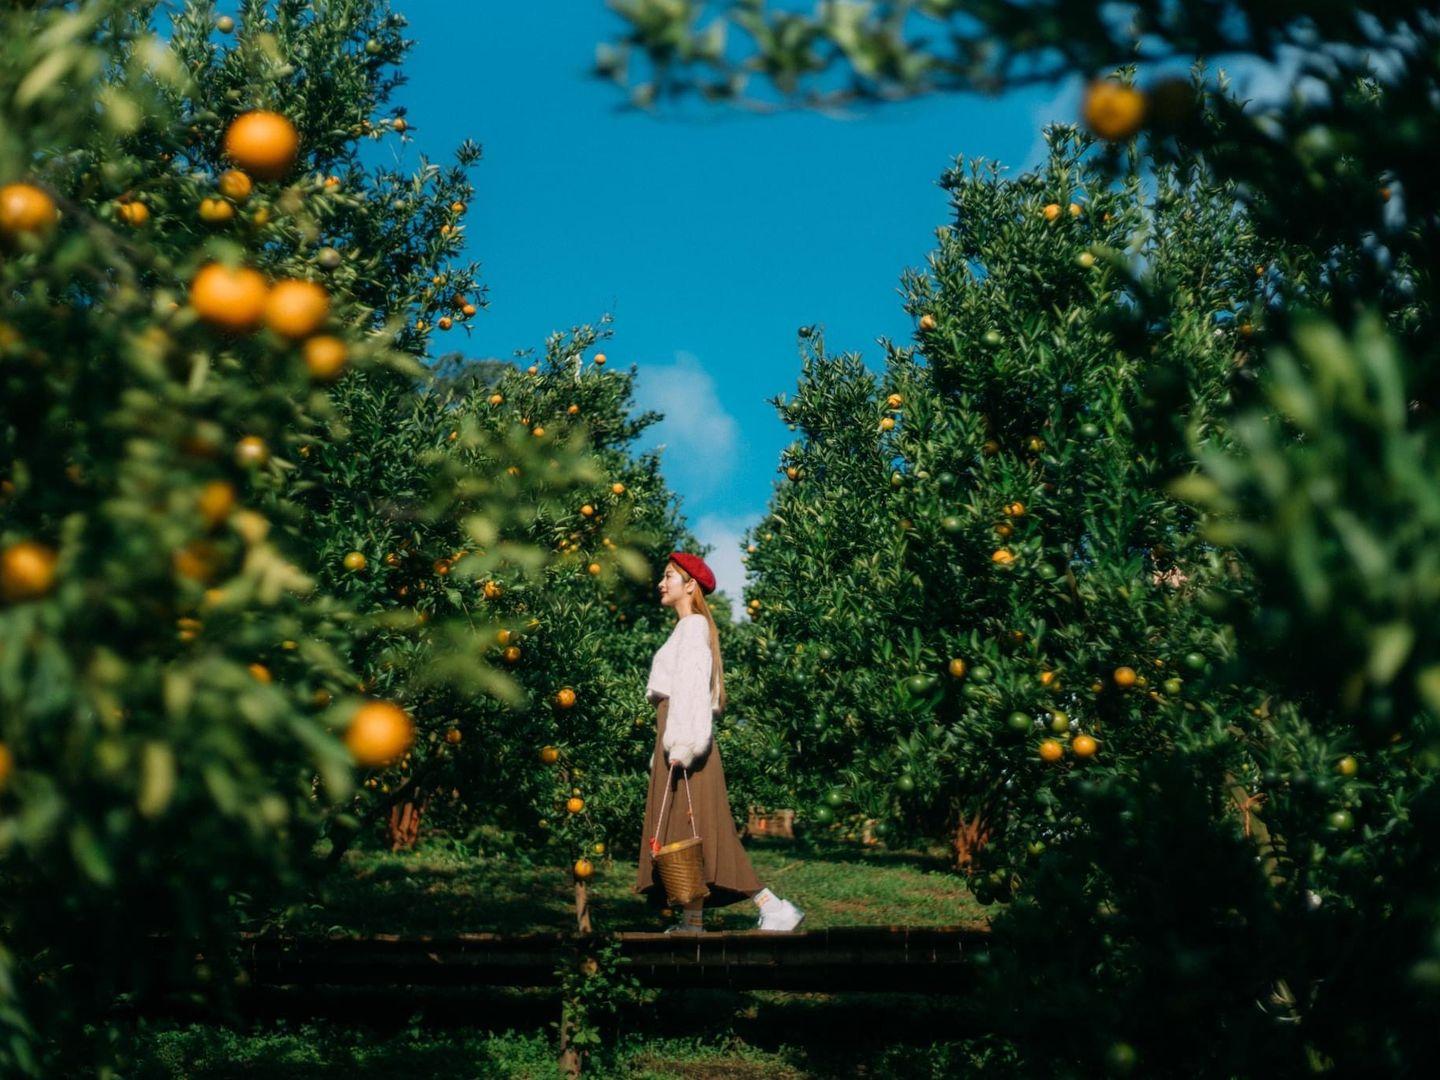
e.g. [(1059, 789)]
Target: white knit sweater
[(681, 672)]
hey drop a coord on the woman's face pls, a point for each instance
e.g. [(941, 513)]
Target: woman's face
[(672, 586)]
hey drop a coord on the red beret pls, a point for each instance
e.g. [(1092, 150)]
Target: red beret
[(696, 568)]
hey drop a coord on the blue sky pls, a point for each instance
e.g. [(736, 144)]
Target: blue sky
[(710, 239)]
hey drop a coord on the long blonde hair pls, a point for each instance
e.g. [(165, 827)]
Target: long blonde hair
[(717, 666)]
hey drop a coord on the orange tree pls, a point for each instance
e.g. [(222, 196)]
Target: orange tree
[(560, 761), (177, 659), (970, 590), (1322, 491)]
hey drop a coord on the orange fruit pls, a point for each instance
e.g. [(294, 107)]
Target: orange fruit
[(234, 184), (549, 755), (400, 124), (251, 450), (355, 560), (587, 510), (573, 409), (468, 310), (600, 359), (927, 322), (1051, 750), (1112, 111), (25, 208), (215, 211), (493, 590), (497, 399), (539, 432), (584, 869), (532, 370), (27, 571), (325, 356), (1002, 557), (379, 732), (594, 568), (957, 668), (457, 207), (1074, 209), (1015, 509), (133, 213), (453, 736), (232, 298), (1004, 530), (196, 562), (1347, 766), (894, 401), (444, 322), (511, 654), (887, 423), (260, 673), (574, 804), (296, 309), (565, 698), (217, 499), (7, 765), (263, 143), (1084, 746), (1046, 678), (1051, 211), (618, 489), (1124, 677)]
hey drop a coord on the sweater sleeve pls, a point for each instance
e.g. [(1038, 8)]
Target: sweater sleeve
[(689, 720)]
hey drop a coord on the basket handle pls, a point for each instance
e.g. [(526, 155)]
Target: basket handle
[(659, 821)]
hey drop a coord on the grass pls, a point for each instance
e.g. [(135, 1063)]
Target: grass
[(441, 888)]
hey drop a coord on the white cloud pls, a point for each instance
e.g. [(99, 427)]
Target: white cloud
[(699, 435), (725, 534)]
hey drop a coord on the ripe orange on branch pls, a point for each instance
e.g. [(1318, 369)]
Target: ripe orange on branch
[(1084, 746), (234, 184), (251, 450), (549, 755), (217, 499), (27, 571), (296, 309), (25, 208), (1125, 677), (215, 211), (574, 804), (263, 143), (565, 698), (584, 869), (1051, 750), (133, 213), (1112, 111), (379, 732), (325, 357), (232, 298)]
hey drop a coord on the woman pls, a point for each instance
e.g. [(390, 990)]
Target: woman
[(687, 681)]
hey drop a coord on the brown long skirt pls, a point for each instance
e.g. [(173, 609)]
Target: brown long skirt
[(728, 873)]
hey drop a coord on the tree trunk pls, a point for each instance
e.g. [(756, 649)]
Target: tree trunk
[(403, 828), (582, 907), (971, 835)]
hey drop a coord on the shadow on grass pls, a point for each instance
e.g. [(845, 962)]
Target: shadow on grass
[(441, 890)]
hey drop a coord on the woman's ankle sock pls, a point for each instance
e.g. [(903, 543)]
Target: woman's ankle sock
[(763, 897), (694, 916)]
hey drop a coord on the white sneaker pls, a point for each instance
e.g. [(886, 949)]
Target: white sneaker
[(780, 915)]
